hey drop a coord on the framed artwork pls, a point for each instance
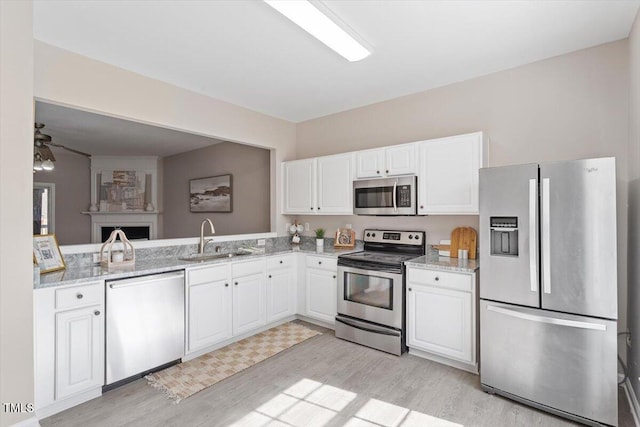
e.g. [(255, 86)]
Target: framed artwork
[(46, 253), (211, 194), (345, 238)]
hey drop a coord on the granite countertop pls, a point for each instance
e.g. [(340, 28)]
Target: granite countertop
[(433, 261), (86, 273)]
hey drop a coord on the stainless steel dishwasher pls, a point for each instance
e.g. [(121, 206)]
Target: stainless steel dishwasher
[(145, 324)]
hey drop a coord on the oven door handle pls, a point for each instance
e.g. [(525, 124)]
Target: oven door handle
[(375, 331)]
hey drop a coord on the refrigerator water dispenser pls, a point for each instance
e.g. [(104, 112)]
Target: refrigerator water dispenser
[(504, 235)]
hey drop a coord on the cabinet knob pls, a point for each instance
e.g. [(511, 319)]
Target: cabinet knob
[(226, 285), (377, 172), (437, 278), (334, 276), (318, 207), (409, 289), (236, 283), (311, 208), (319, 262), (269, 276), (97, 312), (79, 296), (280, 261), (421, 206), (387, 171)]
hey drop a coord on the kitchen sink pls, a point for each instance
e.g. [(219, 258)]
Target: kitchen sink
[(210, 257)]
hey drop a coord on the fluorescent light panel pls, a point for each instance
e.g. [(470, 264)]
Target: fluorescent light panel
[(320, 26)]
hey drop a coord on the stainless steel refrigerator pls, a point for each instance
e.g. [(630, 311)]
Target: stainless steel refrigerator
[(548, 287)]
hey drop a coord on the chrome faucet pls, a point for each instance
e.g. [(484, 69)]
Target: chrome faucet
[(203, 241)]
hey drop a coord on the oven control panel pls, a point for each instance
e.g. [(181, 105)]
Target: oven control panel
[(394, 236)]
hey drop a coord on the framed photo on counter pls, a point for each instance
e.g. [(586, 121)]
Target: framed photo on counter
[(46, 253)]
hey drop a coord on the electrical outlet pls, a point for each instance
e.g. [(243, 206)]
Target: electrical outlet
[(306, 226), (96, 257), (286, 227), (261, 242), (349, 226)]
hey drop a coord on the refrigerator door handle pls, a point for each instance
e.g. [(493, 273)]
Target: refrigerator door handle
[(545, 319), (546, 238), (533, 251)]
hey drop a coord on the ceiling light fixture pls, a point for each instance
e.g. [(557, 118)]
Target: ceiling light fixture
[(42, 156), (318, 20)]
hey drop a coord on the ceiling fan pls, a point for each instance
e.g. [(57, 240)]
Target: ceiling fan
[(43, 157)]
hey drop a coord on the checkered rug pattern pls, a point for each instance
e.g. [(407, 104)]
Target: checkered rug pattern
[(187, 378)]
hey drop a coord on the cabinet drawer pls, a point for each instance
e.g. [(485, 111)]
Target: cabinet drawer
[(323, 263), (458, 281), (197, 276), (79, 296), (247, 268), (279, 261)]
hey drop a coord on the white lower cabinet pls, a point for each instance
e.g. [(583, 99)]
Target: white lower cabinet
[(441, 316), (69, 346), (321, 288), (248, 303), (281, 287), (208, 306)]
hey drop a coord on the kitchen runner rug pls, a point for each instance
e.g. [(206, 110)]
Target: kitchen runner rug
[(184, 379)]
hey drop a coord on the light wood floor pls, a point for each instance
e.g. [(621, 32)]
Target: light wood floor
[(323, 381)]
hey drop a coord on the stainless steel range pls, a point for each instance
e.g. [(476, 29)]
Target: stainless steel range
[(371, 289)]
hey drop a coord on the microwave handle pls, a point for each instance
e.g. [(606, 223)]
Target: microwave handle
[(395, 204)]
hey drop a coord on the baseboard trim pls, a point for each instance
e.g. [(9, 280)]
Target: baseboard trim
[(633, 401), (473, 368), (29, 422), (69, 402)]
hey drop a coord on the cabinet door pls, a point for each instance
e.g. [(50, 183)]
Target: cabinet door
[(400, 160), (248, 303), (79, 350), (209, 318), (448, 177), (280, 294), (370, 163), (440, 321), (299, 184), (320, 293), (335, 187)]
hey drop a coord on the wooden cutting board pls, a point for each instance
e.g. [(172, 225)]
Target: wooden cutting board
[(464, 238)]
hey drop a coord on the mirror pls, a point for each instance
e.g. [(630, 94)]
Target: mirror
[(138, 176)]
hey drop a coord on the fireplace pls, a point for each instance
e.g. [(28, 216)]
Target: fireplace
[(132, 232), (137, 226)]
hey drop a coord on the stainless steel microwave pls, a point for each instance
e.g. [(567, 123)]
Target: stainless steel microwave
[(385, 196)]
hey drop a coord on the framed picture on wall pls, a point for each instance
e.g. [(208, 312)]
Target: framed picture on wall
[(46, 253), (211, 194)]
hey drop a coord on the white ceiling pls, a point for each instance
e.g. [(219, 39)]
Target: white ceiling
[(245, 53), (102, 135)]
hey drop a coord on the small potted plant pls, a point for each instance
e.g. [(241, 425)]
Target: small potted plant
[(319, 238)]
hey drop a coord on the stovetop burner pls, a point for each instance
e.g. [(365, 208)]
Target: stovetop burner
[(377, 257)]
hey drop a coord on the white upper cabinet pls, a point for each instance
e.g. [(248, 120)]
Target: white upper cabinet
[(387, 161), (322, 185), (299, 184), (448, 175)]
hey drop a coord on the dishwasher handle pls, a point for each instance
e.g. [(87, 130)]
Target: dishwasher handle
[(135, 281)]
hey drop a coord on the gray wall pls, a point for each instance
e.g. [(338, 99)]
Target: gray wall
[(634, 206), (72, 177), (250, 167), (568, 107), (16, 162)]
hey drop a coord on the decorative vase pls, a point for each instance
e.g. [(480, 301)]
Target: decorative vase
[(319, 243)]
